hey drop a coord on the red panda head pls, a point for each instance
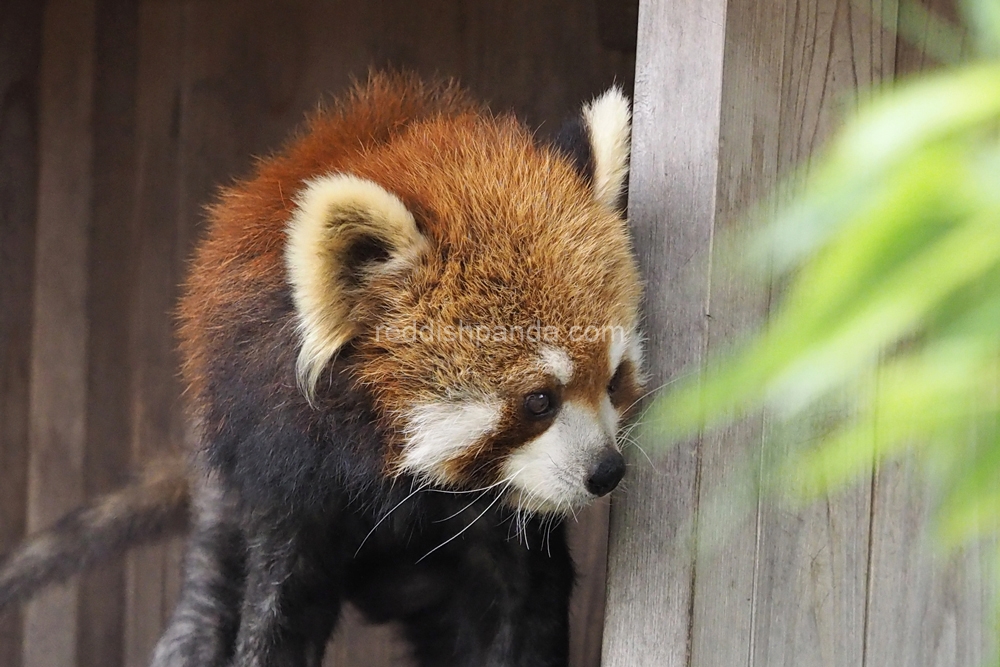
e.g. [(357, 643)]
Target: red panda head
[(490, 297), (477, 286)]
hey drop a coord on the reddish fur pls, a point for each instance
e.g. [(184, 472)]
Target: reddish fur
[(515, 238), (242, 255), (533, 244)]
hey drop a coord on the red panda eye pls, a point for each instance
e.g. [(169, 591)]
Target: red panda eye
[(539, 405), (616, 380)]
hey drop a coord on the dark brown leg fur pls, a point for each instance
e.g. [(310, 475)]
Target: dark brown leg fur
[(203, 626)]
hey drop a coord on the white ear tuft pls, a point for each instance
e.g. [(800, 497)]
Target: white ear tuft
[(609, 122), (344, 231)]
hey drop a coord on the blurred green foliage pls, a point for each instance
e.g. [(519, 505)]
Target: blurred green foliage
[(886, 338)]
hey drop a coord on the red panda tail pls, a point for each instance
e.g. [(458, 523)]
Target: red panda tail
[(155, 507)]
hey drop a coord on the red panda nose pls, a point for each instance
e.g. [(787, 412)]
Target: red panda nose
[(606, 474)]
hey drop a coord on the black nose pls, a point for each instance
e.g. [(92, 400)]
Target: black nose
[(604, 476)]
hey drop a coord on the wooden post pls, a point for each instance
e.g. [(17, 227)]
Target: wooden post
[(721, 113), (672, 191), (57, 434), (20, 51)]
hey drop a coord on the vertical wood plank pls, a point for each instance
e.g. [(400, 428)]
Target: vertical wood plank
[(727, 537), (111, 284), (791, 589), (160, 248), (59, 343), (812, 570), (926, 609), (672, 195), (834, 52), (20, 54)]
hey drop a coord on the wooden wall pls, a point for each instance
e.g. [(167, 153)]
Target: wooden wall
[(118, 119), (731, 95)]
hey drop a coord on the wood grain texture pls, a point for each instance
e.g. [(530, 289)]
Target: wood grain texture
[(57, 434), (672, 207), (160, 245), (20, 54), (850, 580), (727, 539), (111, 282), (926, 608), (833, 51), (812, 563)]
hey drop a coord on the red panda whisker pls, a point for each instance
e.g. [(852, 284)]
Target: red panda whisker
[(626, 430), (515, 525), (386, 515), (486, 489), (459, 533), (634, 443), (573, 512), (658, 388), (463, 509), (459, 492)]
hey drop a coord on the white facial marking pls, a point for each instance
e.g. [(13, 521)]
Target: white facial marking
[(557, 362), (608, 415), (608, 121), (436, 432), (627, 345), (619, 343), (633, 352), (549, 473)]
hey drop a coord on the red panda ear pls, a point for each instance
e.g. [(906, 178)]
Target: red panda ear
[(345, 231), (597, 141)]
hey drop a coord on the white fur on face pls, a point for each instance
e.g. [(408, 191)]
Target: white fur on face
[(619, 343), (609, 126), (437, 432), (549, 474), (556, 361)]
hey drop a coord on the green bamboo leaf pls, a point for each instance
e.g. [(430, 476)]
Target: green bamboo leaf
[(984, 17), (916, 113), (890, 131)]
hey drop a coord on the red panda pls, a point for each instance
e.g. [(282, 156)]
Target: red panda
[(408, 343)]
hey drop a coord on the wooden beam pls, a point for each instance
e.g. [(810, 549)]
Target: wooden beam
[(111, 291), (722, 612), (851, 579), (20, 53), (672, 205), (157, 421), (57, 433)]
